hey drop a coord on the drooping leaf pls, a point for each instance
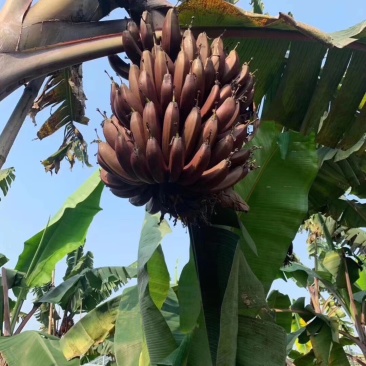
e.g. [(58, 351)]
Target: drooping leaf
[(63, 88), (65, 233), (92, 329), (7, 176), (72, 260), (84, 291), (36, 349), (73, 147), (85, 262), (277, 193)]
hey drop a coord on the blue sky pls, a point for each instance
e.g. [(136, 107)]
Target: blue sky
[(114, 234)]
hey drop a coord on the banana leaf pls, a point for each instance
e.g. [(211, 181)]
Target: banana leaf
[(66, 232), (7, 177), (159, 338), (33, 349), (89, 288), (277, 193), (92, 329)]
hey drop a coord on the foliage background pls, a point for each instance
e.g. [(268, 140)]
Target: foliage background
[(114, 235)]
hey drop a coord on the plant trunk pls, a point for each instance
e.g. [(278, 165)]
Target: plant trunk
[(15, 122)]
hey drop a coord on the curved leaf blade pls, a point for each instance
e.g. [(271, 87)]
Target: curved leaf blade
[(66, 232), (37, 349), (277, 193), (92, 329)]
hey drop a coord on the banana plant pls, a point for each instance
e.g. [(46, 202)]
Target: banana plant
[(45, 249)]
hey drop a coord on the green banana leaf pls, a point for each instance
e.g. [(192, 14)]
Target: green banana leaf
[(33, 349), (128, 337), (159, 338), (92, 329), (65, 232), (159, 278), (3, 259), (230, 292), (277, 193), (277, 300), (89, 288), (7, 176)]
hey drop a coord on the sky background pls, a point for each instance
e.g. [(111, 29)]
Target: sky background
[(114, 234)]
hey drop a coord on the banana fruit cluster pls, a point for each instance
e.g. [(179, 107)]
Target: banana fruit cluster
[(176, 140)]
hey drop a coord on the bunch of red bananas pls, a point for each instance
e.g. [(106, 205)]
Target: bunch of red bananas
[(177, 139)]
